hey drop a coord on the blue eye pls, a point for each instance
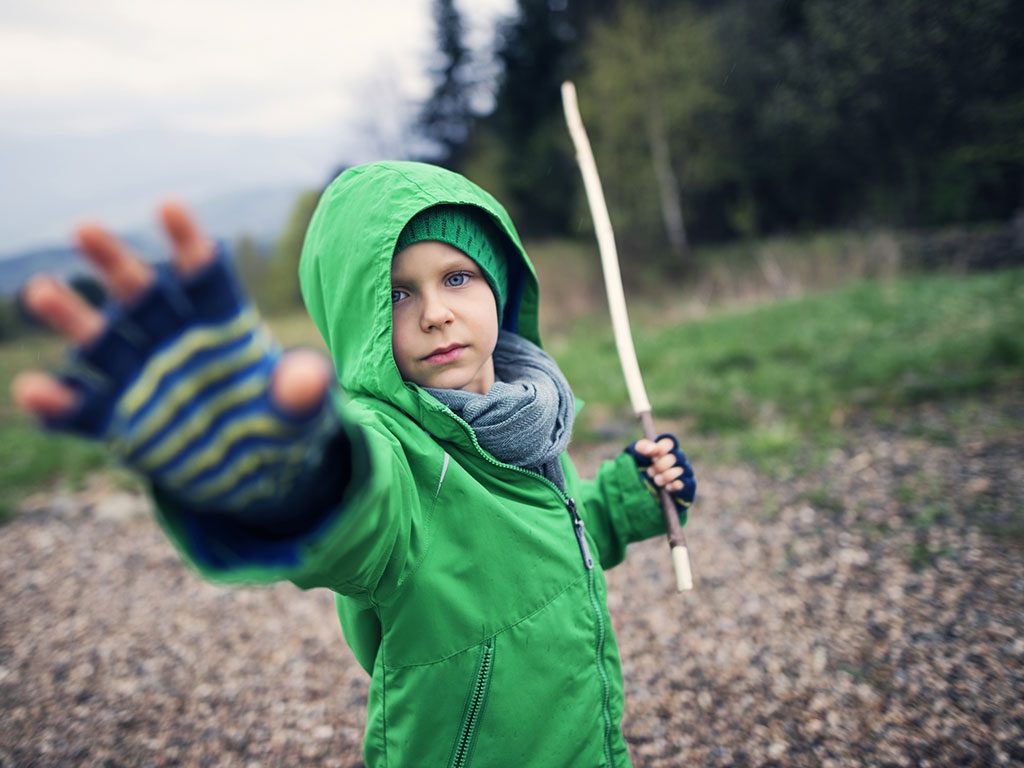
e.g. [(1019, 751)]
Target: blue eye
[(397, 296), (458, 279)]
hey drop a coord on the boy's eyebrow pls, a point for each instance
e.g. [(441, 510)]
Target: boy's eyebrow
[(451, 262)]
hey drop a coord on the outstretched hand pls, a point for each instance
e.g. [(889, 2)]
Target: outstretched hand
[(181, 380), (299, 382)]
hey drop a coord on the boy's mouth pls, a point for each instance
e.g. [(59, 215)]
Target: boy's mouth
[(444, 355)]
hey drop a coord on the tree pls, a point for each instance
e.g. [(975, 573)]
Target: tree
[(538, 174), (281, 290), (906, 112), (712, 119), (446, 118), (649, 94)]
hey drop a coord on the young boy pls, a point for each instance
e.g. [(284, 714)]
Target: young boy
[(437, 501)]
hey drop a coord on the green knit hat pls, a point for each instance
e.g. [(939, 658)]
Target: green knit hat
[(471, 231)]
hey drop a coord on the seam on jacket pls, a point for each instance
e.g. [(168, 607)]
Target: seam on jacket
[(435, 198), (495, 633), (384, 713)]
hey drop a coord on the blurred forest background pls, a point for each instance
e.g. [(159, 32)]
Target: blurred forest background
[(719, 122), (726, 122)]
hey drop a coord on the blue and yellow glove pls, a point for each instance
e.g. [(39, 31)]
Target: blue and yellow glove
[(178, 386), (683, 497)]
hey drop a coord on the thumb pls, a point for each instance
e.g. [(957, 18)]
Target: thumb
[(300, 382)]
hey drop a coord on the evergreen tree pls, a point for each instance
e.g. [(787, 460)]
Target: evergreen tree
[(761, 115), (446, 118), (905, 112), (538, 172)]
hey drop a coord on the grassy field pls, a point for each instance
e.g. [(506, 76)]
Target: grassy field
[(771, 383), (768, 380)]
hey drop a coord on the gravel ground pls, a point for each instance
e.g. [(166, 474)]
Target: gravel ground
[(861, 615)]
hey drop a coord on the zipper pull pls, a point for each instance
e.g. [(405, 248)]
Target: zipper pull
[(581, 539)]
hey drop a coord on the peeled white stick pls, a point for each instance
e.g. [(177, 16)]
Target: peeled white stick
[(620, 319)]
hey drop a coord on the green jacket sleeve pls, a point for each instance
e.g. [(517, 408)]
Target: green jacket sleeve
[(618, 509), (348, 550)]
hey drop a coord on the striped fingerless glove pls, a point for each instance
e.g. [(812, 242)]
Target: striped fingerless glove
[(178, 387), (683, 498)]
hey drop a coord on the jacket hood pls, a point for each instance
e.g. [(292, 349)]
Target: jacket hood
[(345, 270)]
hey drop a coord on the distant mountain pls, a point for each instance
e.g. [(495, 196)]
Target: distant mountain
[(261, 214), (16, 270), (63, 261)]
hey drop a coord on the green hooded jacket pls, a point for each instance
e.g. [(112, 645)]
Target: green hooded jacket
[(462, 586)]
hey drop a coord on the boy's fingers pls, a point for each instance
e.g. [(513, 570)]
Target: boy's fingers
[(653, 449), (63, 310), (40, 394), (645, 447), (193, 250), (300, 381), (663, 478), (664, 462), (124, 273)]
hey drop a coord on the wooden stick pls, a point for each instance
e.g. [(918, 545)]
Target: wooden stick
[(620, 320)]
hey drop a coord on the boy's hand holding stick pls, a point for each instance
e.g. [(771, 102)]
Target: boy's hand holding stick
[(620, 320)]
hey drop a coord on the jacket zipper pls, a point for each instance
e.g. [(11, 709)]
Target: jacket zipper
[(605, 683), (570, 503), (474, 706), (588, 562), (581, 539)]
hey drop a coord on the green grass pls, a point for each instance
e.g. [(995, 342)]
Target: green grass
[(768, 385), (787, 375)]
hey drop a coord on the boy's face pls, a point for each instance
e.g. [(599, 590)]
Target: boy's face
[(444, 318)]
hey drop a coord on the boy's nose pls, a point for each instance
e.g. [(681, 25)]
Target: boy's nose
[(436, 313)]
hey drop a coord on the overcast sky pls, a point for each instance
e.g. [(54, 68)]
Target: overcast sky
[(106, 103)]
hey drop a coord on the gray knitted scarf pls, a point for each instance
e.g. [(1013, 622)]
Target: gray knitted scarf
[(526, 417)]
